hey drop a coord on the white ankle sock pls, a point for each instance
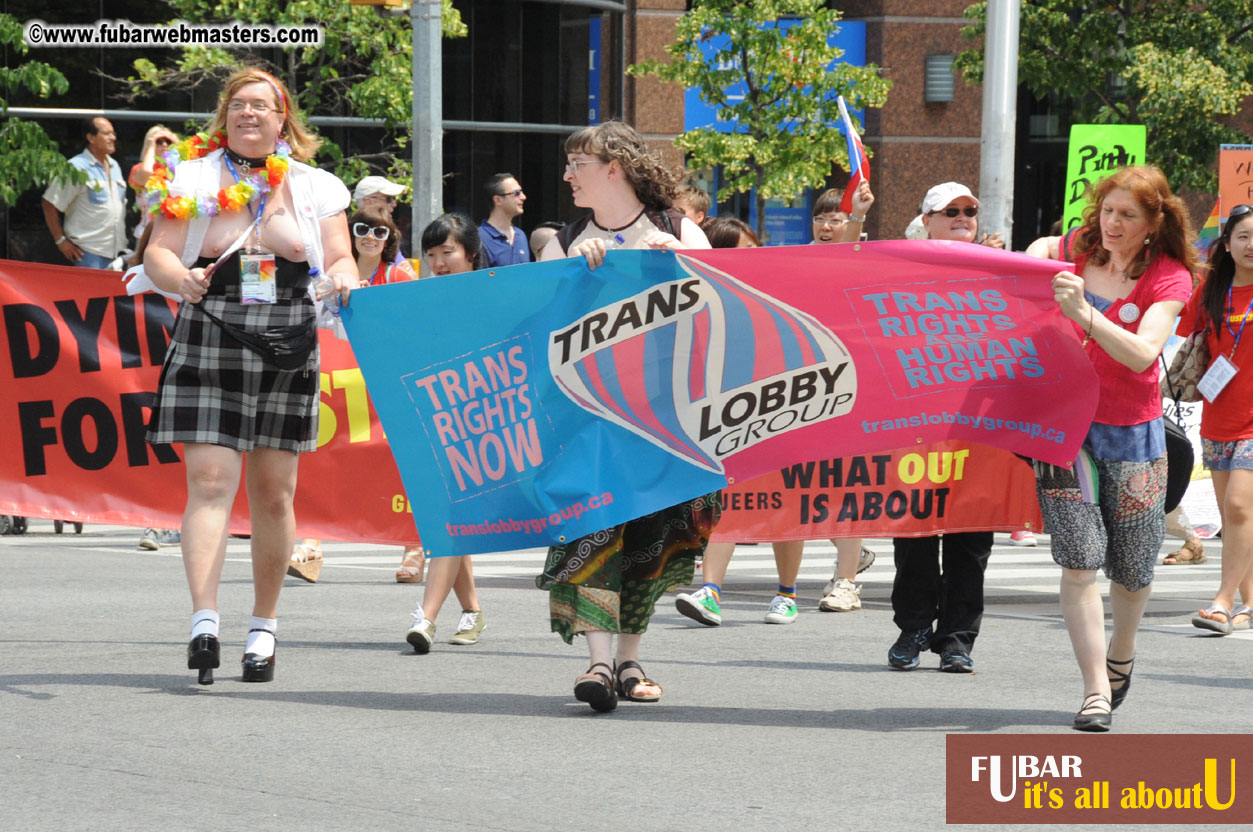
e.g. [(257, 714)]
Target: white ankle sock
[(261, 643), (204, 623)]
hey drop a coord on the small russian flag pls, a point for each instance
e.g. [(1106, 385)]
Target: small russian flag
[(859, 165)]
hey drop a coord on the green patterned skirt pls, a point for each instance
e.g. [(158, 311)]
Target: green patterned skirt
[(610, 580)]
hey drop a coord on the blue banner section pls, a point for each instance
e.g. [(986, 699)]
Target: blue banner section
[(491, 420)]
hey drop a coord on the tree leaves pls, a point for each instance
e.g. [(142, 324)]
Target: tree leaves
[(788, 139), (1178, 67), (28, 157)]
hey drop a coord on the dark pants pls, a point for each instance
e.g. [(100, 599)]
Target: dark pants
[(953, 600)]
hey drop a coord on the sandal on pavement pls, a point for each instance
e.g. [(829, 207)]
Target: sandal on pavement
[(1193, 551), (1239, 611), (1117, 695), (306, 561), (1205, 622), (597, 689), (412, 566), (627, 687)]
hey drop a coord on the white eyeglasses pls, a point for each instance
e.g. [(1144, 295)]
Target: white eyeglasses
[(573, 165), (258, 107), (378, 232)]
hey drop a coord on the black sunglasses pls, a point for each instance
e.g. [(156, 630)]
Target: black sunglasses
[(969, 210), (378, 232), (514, 192), (1239, 211)]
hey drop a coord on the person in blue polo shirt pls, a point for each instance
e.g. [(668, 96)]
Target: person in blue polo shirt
[(504, 244)]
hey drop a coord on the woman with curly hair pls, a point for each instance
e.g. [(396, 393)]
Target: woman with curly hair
[(608, 582), (1134, 264)]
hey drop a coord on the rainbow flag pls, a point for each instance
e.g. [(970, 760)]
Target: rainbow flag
[(1209, 231)]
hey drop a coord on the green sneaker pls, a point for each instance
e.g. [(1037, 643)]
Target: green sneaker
[(701, 605), (422, 634), (782, 610), (468, 628)]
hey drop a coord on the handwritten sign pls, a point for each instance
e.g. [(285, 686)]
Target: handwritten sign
[(1097, 151), (1235, 177)]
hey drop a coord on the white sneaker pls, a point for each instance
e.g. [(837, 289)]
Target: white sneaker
[(422, 634), (844, 596), (782, 610), (864, 561), (1022, 538)]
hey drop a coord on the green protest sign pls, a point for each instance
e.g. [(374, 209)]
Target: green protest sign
[(1096, 151)]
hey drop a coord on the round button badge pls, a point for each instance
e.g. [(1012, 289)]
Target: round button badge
[(1128, 313)]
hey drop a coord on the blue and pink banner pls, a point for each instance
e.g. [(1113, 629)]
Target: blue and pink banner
[(537, 403)]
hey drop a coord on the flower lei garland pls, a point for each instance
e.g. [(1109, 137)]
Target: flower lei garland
[(231, 199)]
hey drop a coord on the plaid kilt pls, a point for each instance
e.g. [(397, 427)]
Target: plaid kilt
[(214, 390)]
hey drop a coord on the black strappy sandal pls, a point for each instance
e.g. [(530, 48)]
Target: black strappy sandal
[(634, 683), (1115, 675), (1097, 720), (598, 692)]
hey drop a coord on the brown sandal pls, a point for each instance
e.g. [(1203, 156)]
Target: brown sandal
[(412, 567), (628, 686), (1192, 552), (306, 561)]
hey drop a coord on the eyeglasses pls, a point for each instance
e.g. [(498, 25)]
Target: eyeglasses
[(378, 232), (969, 210), (390, 200), (1239, 211), (573, 165), (163, 141), (823, 219), (258, 107), (515, 191)]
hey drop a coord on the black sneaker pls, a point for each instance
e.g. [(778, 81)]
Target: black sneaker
[(903, 655), (956, 660)]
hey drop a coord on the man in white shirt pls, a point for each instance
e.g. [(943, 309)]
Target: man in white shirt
[(94, 230)]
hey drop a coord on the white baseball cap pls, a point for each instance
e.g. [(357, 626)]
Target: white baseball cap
[(941, 195), (376, 185), (916, 230)]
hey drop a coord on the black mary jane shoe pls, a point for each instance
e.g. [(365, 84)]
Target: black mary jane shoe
[(258, 668), (1097, 721), (204, 654), (1117, 695)]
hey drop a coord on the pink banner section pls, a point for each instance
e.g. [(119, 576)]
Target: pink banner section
[(856, 348)]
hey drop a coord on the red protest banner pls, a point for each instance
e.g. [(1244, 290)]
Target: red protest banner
[(951, 486), (79, 368)]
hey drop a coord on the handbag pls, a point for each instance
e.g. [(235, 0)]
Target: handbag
[(1179, 454), (1187, 368)]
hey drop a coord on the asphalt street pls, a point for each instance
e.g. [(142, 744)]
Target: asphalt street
[(761, 727)]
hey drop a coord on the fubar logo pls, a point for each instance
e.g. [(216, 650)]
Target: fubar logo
[(704, 366)]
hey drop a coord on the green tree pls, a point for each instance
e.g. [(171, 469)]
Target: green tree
[(363, 68), (1178, 67), (787, 136), (28, 157)]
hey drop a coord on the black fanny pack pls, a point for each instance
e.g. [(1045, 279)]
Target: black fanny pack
[(285, 347)]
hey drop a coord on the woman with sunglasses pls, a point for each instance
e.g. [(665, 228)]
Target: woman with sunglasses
[(1221, 306), (375, 244), (1134, 264), (608, 582), (451, 245), (939, 610)]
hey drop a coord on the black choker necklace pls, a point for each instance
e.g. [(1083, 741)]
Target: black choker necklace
[(240, 159), (623, 228)]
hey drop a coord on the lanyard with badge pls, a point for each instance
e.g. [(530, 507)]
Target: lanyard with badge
[(257, 270), (1223, 370)]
